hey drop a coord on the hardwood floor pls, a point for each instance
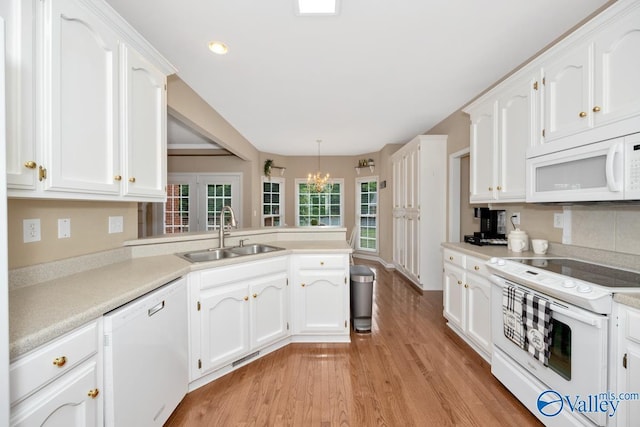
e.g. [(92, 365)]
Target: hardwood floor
[(411, 370)]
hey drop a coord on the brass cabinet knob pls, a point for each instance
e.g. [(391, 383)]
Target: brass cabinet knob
[(118, 177), (93, 393), (321, 262), (450, 258), (596, 109), (466, 285), (246, 298), (490, 188), (582, 114), (499, 188), (476, 268), (132, 179), (60, 361), (255, 295), (30, 164), (302, 285), (459, 282)]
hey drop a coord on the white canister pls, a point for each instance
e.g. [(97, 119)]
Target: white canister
[(518, 241)]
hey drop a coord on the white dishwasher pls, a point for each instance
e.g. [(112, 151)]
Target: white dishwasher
[(146, 364)]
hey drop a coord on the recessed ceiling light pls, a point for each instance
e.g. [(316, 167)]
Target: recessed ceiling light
[(218, 47), (317, 7)]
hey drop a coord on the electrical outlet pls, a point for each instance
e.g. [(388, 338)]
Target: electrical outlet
[(515, 218), (558, 220), (116, 224), (31, 230), (64, 228)]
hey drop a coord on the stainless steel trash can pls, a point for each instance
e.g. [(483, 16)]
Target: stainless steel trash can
[(361, 297)]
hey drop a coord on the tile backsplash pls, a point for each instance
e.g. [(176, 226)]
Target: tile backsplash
[(608, 227)]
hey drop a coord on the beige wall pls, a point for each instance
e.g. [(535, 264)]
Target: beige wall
[(89, 229)]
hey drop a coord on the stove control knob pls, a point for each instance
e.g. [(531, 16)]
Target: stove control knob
[(501, 262), (569, 284), (493, 260), (584, 289)]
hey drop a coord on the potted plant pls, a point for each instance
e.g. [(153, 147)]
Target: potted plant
[(267, 167)]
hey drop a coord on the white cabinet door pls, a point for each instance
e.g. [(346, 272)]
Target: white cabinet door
[(569, 93), (144, 136), (20, 88), (484, 149), (71, 400), (516, 121), (412, 245), (632, 407), (617, 67), (478, 304), (454, 296), (80, 123), (399, 237), (321, 298), (224, 325), (269, 322)]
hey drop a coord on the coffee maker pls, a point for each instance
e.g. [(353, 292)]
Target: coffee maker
[(493, 228)]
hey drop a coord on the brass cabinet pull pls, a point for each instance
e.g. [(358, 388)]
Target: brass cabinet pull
[(132, 179), (246, 298), (476, 268), (118, 177), (499, 188), (596, 109), (582, 114), (60, 361), (450, 258), (321, 262), (459, 282), (93, 393), (30, 164), (42, 173), (466, 285), (255, 295), (490, 188), (302, 285)]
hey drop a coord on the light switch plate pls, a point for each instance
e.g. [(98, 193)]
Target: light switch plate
[(64, 228), (116, 224), (31, 230)]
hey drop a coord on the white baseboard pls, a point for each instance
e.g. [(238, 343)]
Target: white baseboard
[(387, 265)]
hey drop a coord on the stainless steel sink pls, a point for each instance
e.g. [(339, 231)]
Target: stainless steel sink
[(256, 248), (208, 255), (218, 254)]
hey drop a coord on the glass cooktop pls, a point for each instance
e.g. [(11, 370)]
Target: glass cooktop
[(600, 275)]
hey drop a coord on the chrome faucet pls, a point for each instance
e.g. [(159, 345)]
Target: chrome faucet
[(233, 223)]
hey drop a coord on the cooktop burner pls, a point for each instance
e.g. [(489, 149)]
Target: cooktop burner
[(597, 274)]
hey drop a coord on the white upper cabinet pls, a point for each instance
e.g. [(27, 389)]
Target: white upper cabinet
[(503, 126), (89, 105), (568, 93), (617, 67), (590, 85), (144, 107), (79, 101)]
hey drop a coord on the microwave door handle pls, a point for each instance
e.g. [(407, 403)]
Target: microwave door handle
[(592, 321), (610, 170)]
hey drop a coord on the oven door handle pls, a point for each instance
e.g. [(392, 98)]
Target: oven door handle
[(592, 321)]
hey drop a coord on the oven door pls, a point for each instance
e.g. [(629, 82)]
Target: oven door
[(577, 365)]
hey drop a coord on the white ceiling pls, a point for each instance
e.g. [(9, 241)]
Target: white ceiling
[(379, 72)]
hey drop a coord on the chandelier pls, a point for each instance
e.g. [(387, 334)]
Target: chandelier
[(318, 182)]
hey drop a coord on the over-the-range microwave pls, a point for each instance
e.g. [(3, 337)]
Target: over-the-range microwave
[(602, 171)]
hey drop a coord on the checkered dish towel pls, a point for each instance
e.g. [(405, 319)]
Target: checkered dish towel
[(512, 310), (537, 326)]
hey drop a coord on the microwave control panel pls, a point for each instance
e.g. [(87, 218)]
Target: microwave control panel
[(632, 167)]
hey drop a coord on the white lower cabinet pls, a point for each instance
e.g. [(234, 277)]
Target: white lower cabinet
[(235, 311), (626, 365), (467, 300), (60, 383), (321, 296)]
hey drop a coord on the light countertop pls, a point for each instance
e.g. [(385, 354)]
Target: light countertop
[(44, 311)]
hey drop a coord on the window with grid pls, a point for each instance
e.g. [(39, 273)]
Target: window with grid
[(176, 210), (319, 208), (367, 213), (272, 202), (218, 196)]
